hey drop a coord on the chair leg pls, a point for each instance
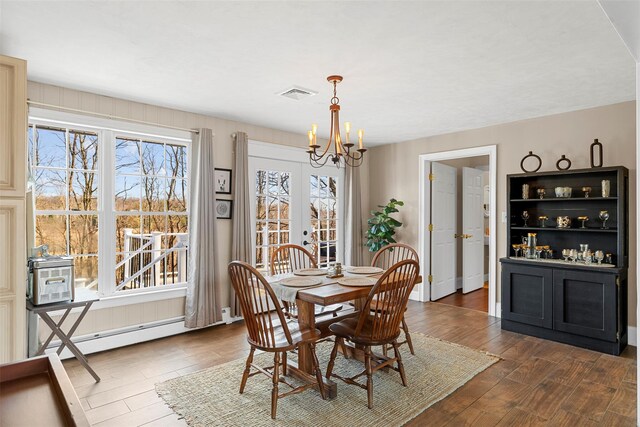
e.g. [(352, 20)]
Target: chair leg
[(318, 372), (332, 359), (400, 364), (385, 350), (367, 364), (343, 346), (247, 369), (284, 363), (276, 379), (407, 335)]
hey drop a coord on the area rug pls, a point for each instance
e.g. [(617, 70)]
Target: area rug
[(210, 397)]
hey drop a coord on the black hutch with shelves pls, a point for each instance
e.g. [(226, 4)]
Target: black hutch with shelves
[(574, 303)]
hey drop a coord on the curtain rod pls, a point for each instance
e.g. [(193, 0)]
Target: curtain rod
[(108, 116)]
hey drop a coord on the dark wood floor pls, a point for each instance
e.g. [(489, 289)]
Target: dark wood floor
[(538, 382), (476, 300)]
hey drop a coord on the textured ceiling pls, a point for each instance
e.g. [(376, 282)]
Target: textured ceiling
[(411, 69)]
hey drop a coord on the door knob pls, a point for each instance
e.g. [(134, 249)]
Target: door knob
[(463, 236), (305, 243)]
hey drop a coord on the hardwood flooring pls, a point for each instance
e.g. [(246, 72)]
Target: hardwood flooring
[(476, 300), (538, 382)]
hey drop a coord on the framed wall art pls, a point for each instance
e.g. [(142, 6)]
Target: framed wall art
[(223, 181), (224, 209)]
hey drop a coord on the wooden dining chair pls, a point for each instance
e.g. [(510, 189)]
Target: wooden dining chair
[(289, 258), (258, 303), (378, 327), (387, 257)]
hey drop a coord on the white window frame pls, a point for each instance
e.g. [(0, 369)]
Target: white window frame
[(107, 130)]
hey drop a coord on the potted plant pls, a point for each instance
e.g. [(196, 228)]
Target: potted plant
[(382, 226)]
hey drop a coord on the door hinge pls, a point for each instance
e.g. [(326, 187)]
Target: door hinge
[(617, 335), (618, 281), (430, 227), (430, 278), (432, 177)]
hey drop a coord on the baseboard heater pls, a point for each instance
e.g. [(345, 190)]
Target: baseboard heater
[(107, 340)]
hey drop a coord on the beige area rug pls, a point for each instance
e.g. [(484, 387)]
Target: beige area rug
[(210, 397)]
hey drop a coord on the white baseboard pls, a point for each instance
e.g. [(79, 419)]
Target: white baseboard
[(486, 277), (632, 336)]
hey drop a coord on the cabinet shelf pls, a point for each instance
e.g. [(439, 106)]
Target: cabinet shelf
[(565, 199), (582, 230)]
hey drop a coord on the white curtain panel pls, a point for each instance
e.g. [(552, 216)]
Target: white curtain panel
[(241, 233), (203, 306), (354, 243)]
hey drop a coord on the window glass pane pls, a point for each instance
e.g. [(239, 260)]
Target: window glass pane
[(83, 191), (86, 271), (154, 224), (83, 150), (83, 234), (273, 182), (285, 182), (323, 186), (284, 208), (332, 187), (176, 195), (50, 189), (52, 230), (153, 195), (127, 193), (176, 160), (126, 225), (177, 229), (51, 147), (313, 188), (261, 207), (127, 156), (30, 137), (261, 182), (152, 158), (272, 208)]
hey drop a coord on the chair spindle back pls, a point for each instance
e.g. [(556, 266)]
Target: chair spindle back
[(393, 254), (288, 258), (257, 302), (388, 300)]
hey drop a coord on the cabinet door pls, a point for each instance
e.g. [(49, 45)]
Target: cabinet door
[(584, 303), (526, 294)]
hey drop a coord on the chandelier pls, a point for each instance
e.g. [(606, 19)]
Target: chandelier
[(337, 149)]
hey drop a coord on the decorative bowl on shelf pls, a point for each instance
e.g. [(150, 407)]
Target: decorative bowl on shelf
[(563, 192)]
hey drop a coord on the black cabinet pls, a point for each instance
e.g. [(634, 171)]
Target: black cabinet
[(574, 303)]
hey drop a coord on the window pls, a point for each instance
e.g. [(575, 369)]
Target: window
[(324, 217), (151, 213), (114, 200), (64, 164)]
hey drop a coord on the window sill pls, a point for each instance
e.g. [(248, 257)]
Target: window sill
[(139, 298)]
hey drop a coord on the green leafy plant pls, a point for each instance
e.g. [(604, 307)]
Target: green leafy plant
[(382, 226)]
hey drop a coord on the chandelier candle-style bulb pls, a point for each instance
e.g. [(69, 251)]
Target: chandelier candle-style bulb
[(336, 150)]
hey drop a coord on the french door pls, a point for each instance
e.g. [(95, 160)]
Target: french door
[(292, 202)]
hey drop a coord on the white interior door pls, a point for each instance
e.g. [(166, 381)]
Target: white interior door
[(472, 230), (443, 218)]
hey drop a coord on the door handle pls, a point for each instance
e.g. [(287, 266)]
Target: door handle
[(463, 236), (305, 243)]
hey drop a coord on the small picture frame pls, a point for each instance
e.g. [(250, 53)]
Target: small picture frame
[(223, 181), (224, 208)]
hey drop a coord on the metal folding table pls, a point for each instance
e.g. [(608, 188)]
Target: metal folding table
[(84, 299)]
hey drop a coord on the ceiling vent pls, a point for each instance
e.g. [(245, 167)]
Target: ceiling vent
[(297, 93)]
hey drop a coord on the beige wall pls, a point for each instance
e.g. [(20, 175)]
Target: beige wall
[(113, 318), (394, 170)]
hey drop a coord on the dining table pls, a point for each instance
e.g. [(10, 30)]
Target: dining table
[(324, 294)]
